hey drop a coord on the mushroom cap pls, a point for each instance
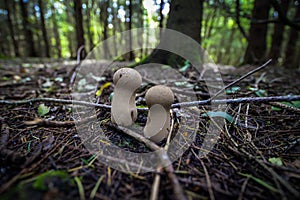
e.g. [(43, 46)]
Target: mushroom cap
[(160, 94), (130, 76)]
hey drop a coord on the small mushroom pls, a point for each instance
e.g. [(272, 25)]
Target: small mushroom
[(159, 99), (123, 108)]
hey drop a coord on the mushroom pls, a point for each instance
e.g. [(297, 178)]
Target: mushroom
[(123, 108), (159, 99)]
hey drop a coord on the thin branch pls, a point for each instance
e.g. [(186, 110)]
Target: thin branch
[(176, 105), (178, 191), (238, 100), (240, 79)]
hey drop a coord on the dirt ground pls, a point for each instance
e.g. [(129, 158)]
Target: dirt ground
[(257, 155)]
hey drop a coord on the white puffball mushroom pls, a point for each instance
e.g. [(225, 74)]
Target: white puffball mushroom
[(159, 100), (123, 108)]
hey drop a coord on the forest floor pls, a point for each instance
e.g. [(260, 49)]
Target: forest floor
[(257, 155)]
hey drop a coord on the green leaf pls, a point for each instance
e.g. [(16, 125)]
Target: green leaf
[(111, 96), (80, 187), (261, 182), (41, 181), (276, 161), (185, 67), (43, 110), (222, 114), (296, 104), (261, 93), (232, 90), (275, 108)]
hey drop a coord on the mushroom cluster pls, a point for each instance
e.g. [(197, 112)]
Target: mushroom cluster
[(158, 98)]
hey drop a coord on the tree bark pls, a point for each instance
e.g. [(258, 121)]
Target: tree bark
[(257, 45), (27, 30), (88, 23), (186, 17), (44, 30), (70, 36), (11, 28), (131, 54), (277, 37), (79, 27), (104, 20), (161, 16), (37, 36), (55, 31), (291, 58)]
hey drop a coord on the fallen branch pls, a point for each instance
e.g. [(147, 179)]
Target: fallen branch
[(176, 105), (240, 79), (178, 191)]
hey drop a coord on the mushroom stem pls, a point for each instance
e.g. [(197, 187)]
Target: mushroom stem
[(159, 99), (123, 108)]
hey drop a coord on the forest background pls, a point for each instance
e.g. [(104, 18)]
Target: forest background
[(234, 32)]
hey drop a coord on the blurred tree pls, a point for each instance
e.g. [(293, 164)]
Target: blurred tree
[(291, 59), (131, 54), (70, 21), (44, 30), (257, 43), (185, 16), (104, 5), (36, 26), (79, 27), (277, 37), (11, 27), (55, 31), (89, 6), (27, 29)]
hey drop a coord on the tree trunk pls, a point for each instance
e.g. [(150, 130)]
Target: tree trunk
[(88, 23), (70, 35), (11, 28), (44, 31), (257, 45), (186, 17), (37, 36), (277, 37), (131, 54), (291, 48), (161, 16), (104, 20), (55, 31), (79, 27), (27, 30)]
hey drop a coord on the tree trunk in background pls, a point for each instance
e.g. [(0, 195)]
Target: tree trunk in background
[(55, 31), (277, 37), (140, 17), (161, 16), (44, 31), (27, 30), (115, 28), (11, 28), (70, 35), (88, 23), (36, 26), (104, 20), (291, 59), (131, 54), (186, 17), (79, 27), (257, 46)]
